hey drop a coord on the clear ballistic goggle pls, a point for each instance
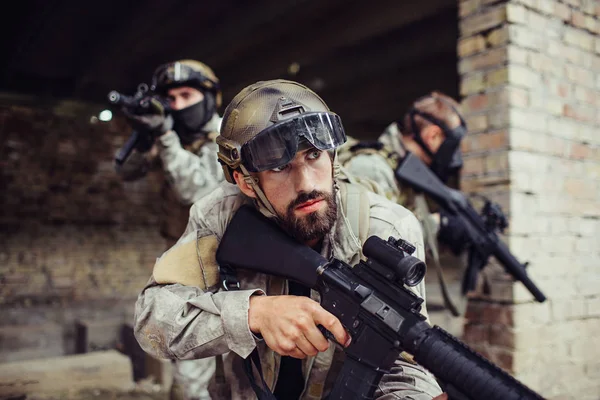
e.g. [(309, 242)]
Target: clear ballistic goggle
[(277, 145)]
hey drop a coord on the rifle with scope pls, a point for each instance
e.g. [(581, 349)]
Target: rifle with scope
[(481, 230), (372, 303)]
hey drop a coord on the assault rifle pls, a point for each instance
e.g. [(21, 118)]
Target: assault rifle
[(142, 102), (370, 300), (481, 230)]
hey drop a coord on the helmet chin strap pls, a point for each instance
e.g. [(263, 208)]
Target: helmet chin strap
[(335, 165), (264, 205)]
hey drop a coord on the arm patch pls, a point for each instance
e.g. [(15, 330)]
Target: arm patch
[(191, 264)]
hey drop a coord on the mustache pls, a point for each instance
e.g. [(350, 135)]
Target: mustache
[(304, 197)]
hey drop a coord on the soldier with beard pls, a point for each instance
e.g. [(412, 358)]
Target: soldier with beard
[(182, 145), (278, 147)]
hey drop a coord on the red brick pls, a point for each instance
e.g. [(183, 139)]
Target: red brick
[(489, 313), (474, 311), (578, 19), (563, 89), (481, 349), (580, 151), (477, 123), (586, 95), (580, 113), (474, 103), (574, 3), (502, 336), (494, 140), (562, 11), (476, 333), (503, 358)]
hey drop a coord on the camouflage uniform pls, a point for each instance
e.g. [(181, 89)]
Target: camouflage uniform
[(379, 166), (187, 322), (191, 172)]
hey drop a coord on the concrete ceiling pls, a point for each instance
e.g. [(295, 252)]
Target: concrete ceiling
[(366, 59)]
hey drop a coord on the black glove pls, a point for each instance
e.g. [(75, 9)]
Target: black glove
[(453, 232), (149, 124), (155, 124)]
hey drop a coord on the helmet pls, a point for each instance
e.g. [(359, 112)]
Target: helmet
[(186, 73), (266, 122)]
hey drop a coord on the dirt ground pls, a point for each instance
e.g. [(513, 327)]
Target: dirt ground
[(144, 391)]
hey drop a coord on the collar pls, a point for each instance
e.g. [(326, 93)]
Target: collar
[(341, 242), (391, 139)]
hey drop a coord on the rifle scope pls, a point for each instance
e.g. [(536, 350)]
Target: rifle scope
[(395, 255)]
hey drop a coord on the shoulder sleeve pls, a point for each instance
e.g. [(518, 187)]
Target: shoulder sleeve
[(193, 175), (182, 313)]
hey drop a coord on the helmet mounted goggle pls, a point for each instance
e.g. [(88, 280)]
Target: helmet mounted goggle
[(179, 74), (278, 144)]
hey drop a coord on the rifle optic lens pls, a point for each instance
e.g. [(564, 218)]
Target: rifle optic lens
[(408, 269), (411, 270)]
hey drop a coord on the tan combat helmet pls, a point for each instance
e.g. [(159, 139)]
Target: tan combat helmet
[(186, 73), (264, 124)]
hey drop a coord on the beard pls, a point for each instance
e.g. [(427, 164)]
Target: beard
[(314, 225)]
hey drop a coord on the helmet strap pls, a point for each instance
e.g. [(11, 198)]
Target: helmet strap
[(264, 205)]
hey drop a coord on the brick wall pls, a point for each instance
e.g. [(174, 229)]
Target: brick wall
[(530, 73), (75, 241)]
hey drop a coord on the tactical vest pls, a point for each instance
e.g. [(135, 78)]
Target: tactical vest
[(418, 203)]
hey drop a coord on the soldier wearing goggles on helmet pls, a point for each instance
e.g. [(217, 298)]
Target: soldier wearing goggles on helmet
[(183, 145), (277, 146), (431, 129)]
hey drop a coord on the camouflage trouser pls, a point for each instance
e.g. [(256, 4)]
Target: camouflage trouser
[(191, 379)]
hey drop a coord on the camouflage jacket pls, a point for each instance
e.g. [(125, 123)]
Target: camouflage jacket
[(378, 165), (191, 172), (179, 321)]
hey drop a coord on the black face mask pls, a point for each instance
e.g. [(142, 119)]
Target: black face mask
[(448, 157), (189, 122)]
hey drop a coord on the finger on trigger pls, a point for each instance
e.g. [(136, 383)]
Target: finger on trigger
[(333, 325)]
